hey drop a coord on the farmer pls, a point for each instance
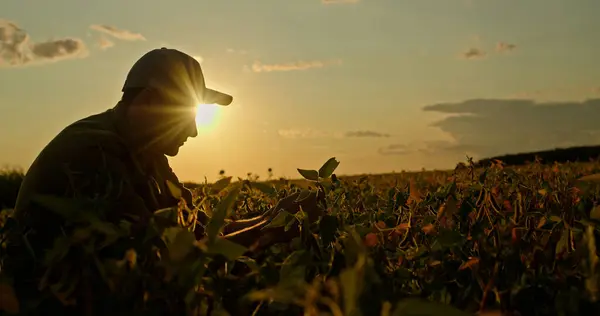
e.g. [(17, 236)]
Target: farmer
[(119, 156)]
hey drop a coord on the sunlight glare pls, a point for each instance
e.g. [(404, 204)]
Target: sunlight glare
[(207, 115)]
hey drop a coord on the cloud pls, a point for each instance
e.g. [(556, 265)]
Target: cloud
[(302, 133), (490, 127), (365, 134), (436, 147), (105, 43), (118, 33), (339, 1), (473, 53), (298, 65), (505, 47), (17, 48), (395, 149), (308, 132)]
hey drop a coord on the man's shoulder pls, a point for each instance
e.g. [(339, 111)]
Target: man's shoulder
[(95, 131), (81, 143)]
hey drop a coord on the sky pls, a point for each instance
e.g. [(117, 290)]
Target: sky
[(382, 85)]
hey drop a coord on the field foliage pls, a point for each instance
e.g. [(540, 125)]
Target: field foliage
[(516, 241)]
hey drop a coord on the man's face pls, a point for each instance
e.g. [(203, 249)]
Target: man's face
[(164, 125), (179, 125)]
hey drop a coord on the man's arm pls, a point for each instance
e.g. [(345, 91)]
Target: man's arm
[(187, 195)]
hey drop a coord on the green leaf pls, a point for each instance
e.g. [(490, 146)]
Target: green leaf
[(181, 245), (327, 228), (220, 184), (265, 188), (215, 225), (227, 248), (419, 307), (174, 189), (312, 175), (70, 209), (304, 194), (292, 269), (328, 168), (281, 219)]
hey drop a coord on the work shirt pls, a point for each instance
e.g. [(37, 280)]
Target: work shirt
[(92, 158)]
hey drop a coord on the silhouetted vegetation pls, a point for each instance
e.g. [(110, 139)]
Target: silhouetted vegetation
[(560, 155), (10, 181), (521, 240)]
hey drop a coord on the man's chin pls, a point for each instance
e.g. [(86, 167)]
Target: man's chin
[(172, 152)]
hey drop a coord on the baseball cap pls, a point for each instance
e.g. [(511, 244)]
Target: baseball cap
[(173, 72)]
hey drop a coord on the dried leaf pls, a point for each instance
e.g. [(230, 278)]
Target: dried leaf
[(469, 263)]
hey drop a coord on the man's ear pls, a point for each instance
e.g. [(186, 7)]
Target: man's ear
[(145, 97)]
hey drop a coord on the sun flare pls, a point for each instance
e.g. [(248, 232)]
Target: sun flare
[(206, 115)]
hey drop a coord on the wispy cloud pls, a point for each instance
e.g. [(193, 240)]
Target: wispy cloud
[(473, 53), (308, 132), (17, 48), (339, 1), (366, 134), (298, 65), (302, 133), (105, 43), (118, 33), (505, 47), (432, 147)]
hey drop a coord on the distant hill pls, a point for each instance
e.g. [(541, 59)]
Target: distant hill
[(571, 154)]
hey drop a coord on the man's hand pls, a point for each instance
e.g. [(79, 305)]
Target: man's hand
[(309, 203), (253, 232)]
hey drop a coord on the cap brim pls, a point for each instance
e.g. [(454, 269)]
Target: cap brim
[(215, 97)]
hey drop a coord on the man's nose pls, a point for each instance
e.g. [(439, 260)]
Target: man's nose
[(193, 129)]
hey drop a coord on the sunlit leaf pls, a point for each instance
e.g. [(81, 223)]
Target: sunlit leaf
[(328, 168), (312, 175), (265, 188), (220, 184), (174, 190)]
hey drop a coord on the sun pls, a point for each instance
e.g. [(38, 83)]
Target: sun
[(206, 115)]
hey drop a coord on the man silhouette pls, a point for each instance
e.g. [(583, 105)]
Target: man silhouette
[(119, 156)]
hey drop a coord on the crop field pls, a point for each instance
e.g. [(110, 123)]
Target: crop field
[(493, 241)]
